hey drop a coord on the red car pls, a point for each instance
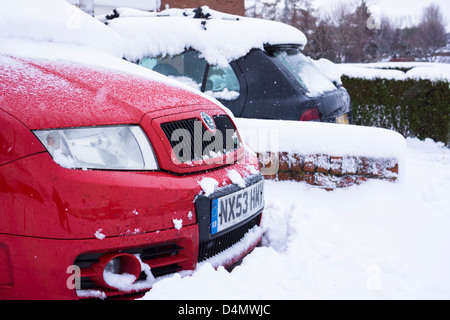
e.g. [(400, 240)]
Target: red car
[(109, 180)]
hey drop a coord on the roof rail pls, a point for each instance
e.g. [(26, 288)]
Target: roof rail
[(200, 15), (203, 12)]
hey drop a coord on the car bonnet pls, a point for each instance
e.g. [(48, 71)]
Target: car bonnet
[(54, 94)]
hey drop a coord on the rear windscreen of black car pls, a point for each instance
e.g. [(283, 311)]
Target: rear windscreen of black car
[(304, 71)]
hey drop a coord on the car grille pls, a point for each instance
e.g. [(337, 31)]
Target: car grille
[(210, 248), (193, 147), (163, 259)]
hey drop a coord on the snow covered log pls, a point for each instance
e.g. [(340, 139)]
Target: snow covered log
[(324, 154)]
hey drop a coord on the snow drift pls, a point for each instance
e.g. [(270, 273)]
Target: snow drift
[(313, 138)]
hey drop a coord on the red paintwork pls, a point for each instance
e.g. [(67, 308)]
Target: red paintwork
[(152, 126), (16, 143), (39, 266), (71, 95), (77, 203), (49, 214)]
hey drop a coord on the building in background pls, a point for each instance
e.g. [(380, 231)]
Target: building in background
[(228, 6), (100, 7)]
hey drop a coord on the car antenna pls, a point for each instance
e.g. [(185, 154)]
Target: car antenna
[(200, 15), (113, 15)]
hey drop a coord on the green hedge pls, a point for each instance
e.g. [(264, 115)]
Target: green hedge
[(414, 108)]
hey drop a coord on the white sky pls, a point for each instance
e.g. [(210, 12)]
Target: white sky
[(406, 11)]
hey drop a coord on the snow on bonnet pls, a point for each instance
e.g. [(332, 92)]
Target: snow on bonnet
[(56, 30)]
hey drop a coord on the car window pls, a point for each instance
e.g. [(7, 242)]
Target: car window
[(187, 67), (304, 71), (222, 83)]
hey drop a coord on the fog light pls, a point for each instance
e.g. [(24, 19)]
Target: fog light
[(117, 270), (113, 266)]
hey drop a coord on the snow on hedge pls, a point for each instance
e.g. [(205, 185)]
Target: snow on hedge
[(438, 71), (220, 39), (386, 70)]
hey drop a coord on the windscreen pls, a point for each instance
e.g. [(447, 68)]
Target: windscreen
[(304, 71), (187, 67)]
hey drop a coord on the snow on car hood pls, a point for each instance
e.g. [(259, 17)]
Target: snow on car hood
[(220, 38), (55, 21), (43, 94), (55, 30)]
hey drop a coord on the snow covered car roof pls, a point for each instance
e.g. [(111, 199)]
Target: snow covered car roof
[(219, 37)]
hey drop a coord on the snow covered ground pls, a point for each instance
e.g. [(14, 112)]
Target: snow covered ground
[(378, 240)]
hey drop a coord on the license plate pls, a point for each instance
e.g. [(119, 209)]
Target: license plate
[(231, 209), (342, 119)]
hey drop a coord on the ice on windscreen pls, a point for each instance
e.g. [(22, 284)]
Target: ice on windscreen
[(329, 69)]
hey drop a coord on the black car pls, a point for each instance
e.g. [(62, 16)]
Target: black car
[(271, 81)]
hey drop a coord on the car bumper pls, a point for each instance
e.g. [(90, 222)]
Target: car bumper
[(59, 224), (41, 268), (335, 106)]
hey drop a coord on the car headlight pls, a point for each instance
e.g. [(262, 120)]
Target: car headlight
[(105, 147)]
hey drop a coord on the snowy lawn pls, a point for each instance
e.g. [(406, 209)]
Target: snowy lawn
[(379, 240)]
